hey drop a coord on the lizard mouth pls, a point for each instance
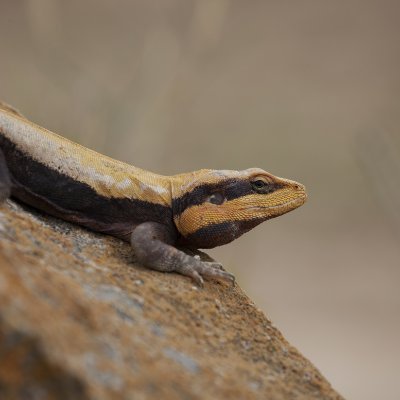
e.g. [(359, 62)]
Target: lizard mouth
[(289, 205)]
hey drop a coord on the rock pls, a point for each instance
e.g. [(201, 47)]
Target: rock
[(80, 320)]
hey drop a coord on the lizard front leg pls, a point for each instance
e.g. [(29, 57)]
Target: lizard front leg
[(153, 246)]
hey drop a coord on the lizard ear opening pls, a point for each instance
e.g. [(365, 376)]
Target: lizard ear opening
[(216, 198)]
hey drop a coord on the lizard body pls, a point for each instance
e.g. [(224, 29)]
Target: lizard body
[(156, 214)]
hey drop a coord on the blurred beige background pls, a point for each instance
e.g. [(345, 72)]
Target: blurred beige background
[(308, 90)]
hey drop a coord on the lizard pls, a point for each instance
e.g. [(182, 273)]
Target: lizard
[(166, 219)]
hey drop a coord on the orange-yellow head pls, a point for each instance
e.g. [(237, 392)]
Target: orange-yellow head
[(212, 207)]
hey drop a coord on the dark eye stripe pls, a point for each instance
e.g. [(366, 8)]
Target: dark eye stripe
[(230, 189), (216, 198)]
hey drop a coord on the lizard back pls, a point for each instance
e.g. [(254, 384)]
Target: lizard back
[(71, 181)]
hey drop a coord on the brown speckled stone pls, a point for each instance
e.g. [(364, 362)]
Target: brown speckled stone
[(80, 320)]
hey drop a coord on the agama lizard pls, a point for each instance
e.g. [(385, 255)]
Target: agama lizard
[(165, 218)]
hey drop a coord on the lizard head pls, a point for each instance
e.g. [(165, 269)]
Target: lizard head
[(212, 208)]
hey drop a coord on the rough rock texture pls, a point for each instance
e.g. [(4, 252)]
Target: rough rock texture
[(80, 320)]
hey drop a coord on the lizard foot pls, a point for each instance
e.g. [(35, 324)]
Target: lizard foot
[(151, 243), (201, 269)]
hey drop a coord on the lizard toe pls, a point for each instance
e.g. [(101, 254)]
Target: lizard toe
[(214, 270), (216, 265)]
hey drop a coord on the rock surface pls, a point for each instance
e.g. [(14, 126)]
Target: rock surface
[(80, 320)]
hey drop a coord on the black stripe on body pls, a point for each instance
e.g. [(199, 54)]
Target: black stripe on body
[(5, 181), (229, 188), (73, 196), (215, 235)]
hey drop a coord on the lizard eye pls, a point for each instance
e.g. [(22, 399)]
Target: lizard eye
[(258, 185), (216, 198)]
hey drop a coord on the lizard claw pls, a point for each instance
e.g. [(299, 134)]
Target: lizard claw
[(197, 278), (199, 269), (214, 270)]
